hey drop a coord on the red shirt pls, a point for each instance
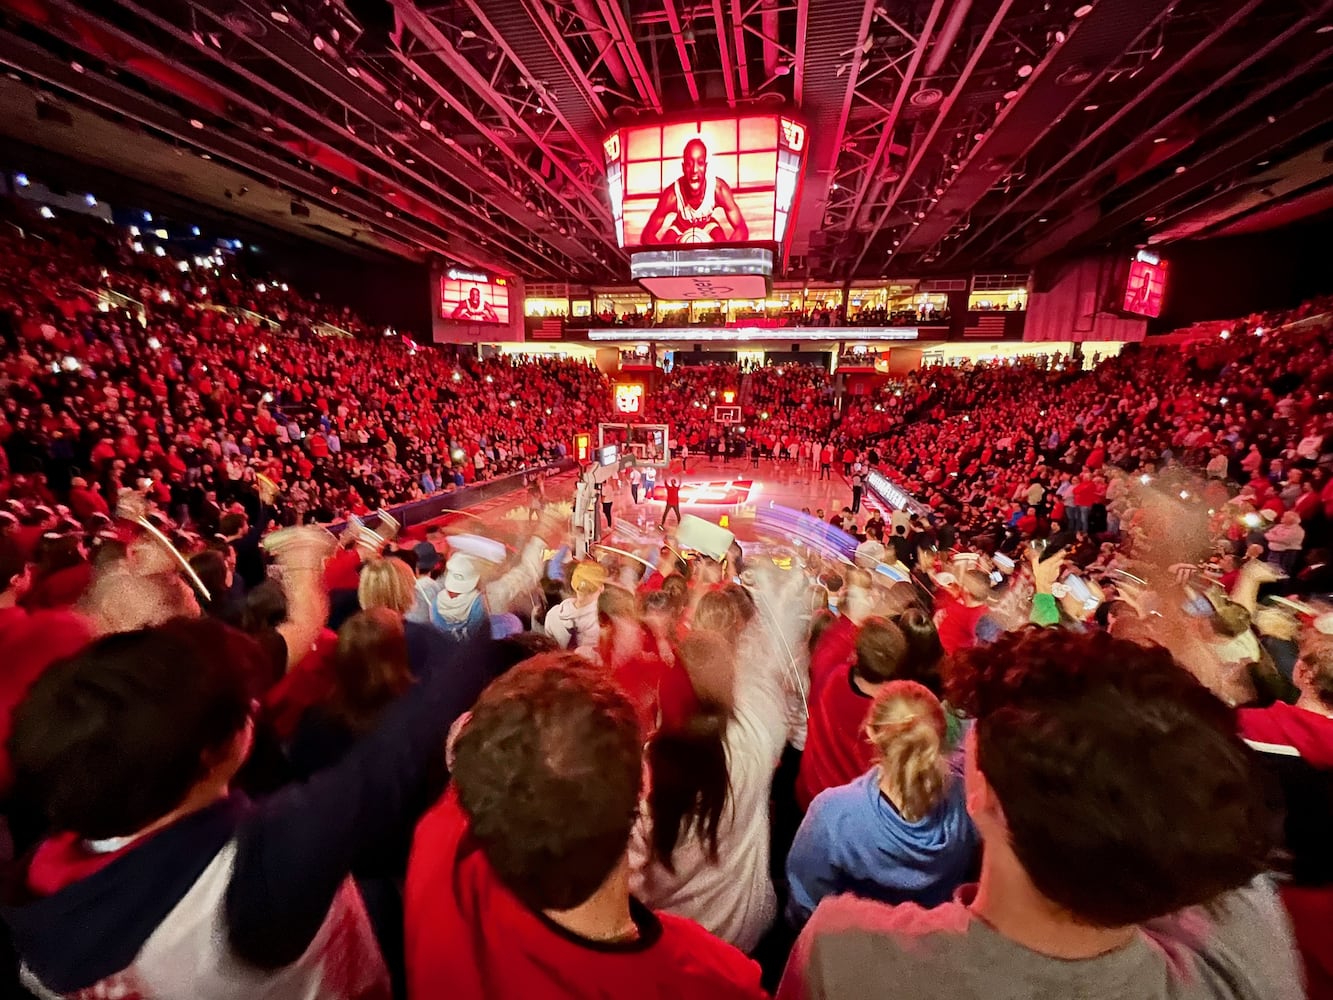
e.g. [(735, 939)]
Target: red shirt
[(957, 623), (1311, 912), (467, 936), (836, 749), (84, 503), (1308, 733), (834, 649), (639, 670)]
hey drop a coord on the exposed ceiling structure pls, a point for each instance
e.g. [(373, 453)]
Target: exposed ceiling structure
[(946, 136)]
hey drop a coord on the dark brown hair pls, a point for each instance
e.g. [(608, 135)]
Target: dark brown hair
[(1126, 792), (113, 738), (688, 763), (549, 770), (881, 651)]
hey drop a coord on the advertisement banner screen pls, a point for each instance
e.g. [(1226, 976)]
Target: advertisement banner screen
[(705, 180), (1145, 287), (473, 297)]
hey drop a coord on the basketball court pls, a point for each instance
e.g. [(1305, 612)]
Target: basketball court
[(713, 490)]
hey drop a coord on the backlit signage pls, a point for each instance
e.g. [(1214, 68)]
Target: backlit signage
[(629, 398)]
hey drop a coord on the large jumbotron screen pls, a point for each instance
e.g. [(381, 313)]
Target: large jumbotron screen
[(705, 180), (473, 297)]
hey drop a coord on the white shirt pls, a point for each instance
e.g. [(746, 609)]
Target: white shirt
[(733, 898)]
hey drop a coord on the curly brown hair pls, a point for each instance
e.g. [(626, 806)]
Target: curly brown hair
[(1126, 791)]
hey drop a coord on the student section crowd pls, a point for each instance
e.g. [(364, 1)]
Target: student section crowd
[(1077, 742)]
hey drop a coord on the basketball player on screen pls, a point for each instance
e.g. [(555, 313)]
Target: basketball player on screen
[(474, 309), (692, 202)]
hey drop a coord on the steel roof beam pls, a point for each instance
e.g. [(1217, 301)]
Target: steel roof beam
[(1121, 112), (1313, 110), (104, 92), (1093, 44), (439, 47), (682, 50), (738, 41), (728, 67), (899, 99), (374, 218), (924, 146), (614, 19), (434, 182)]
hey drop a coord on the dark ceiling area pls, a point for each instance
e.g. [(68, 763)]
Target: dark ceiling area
[(946, 136)]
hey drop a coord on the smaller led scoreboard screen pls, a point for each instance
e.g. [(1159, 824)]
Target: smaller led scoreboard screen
[(1145, 285), (705, 180), (473, 297), (629, 398)]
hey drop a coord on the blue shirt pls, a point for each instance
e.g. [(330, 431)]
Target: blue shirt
[(854, 840)]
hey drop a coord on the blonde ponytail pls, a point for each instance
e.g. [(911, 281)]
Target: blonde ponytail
[(906, 725)]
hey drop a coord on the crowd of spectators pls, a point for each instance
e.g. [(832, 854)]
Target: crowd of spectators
[(122, 369), (1065, 729)]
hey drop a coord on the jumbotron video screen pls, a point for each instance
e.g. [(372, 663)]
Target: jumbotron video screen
[(705, 180)]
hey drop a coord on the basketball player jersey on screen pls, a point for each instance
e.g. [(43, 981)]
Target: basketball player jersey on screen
[(697, 225), (465, 311)]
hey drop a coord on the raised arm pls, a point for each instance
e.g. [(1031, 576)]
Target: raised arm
[(739, 230), (295, 852), (666, 204)]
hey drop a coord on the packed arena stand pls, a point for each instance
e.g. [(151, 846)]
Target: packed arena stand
[(1066, 728)]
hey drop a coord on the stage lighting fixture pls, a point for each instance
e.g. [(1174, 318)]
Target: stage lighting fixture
[(194, 230), (21, 180), (1083, 10), (280, 15), (1091, 107), (46, 213), (1024, 71), (1180, 169), (196, 123), (148, 217), (90, 200), (159, 251)]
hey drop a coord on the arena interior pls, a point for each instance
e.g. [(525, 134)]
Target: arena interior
[(624, 499)]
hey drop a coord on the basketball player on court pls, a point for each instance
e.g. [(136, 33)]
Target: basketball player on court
[(475, 309), (692, 200)]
